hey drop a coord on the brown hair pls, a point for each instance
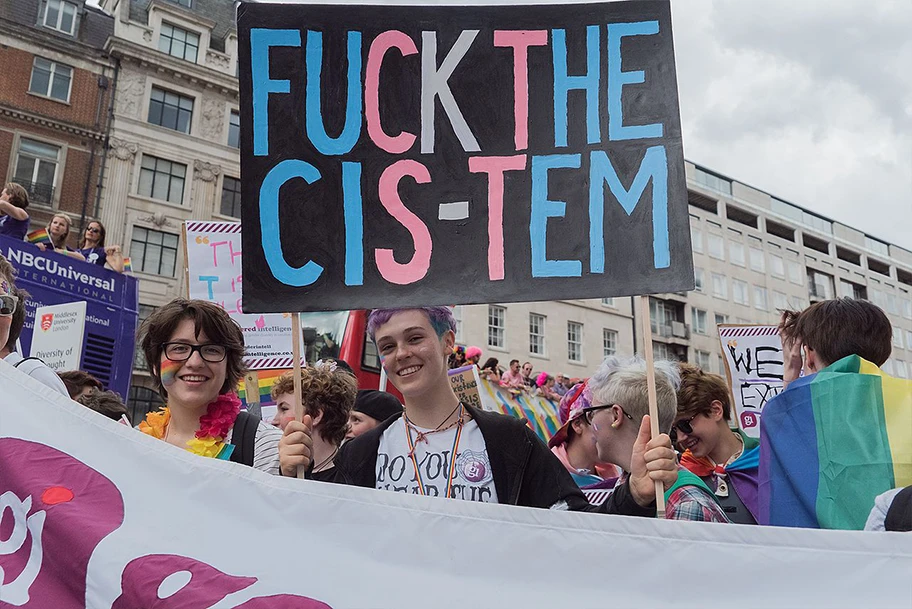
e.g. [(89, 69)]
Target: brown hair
[(18, 195), (837, 328), (330, 393), (101, 238), (65, 236), (7, 270), (107, 403), (700, 389), (18, 321), (76, 380), (208, 318)]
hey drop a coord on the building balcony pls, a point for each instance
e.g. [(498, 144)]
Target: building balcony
[(38, 192), (674, 331)]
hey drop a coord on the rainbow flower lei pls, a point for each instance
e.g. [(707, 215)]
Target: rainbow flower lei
[(214, 426)]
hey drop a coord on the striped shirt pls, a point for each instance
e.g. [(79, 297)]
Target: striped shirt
[(265, 448)]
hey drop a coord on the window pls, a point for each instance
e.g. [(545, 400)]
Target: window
[(756, 260), (496, 326), (702, 358), (780, 301), (698, 279), (186, 3), (712, 182), (794, 272), (153, 251), (609, 342), (720, 286), (662, 351), (716, 246), (721, 319), (909, 337), (820, 285), (36, 169), (457, 315), (178, 42), (574, 341), (760, 300), (161, 179), (897, 338), (231, 197), (739, 292), (139, 359), (696, 239), (907, 308), (170, 110), (234, 129), (851, 290), (536, 334), (140, 402), (698, 320), (736, 251), (721, 363), (609, 302), (61, 16), (51, 79), (777, 266), (901, 369)]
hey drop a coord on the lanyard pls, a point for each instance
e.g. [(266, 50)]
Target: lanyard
[(411, 445)]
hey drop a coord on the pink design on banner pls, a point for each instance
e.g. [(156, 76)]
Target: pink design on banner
[(283, 601), (54, 511), (143, 576)]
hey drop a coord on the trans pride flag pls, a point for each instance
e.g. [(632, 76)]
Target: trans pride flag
[(831, 443)]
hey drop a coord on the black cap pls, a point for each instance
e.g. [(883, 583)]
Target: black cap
[(377, 404)]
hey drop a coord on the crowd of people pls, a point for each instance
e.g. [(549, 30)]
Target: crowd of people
[(434, 444), (15, 223), (515, 378)]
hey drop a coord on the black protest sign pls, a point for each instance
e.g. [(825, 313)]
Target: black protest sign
[(419, 155)]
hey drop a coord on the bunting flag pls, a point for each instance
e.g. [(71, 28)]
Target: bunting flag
[(40, 236), (831, 443), (97, 514)]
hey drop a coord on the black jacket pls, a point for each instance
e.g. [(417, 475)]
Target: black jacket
[(525, 471)]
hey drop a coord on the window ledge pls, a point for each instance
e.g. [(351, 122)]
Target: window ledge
[(49, 98), (162, 202)]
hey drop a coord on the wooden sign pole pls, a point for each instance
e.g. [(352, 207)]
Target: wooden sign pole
[(651, 391), (296, 353)]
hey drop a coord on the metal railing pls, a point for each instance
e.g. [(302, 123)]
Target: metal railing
[(38, 192)]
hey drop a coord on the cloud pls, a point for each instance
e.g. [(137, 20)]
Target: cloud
[(809, 100)]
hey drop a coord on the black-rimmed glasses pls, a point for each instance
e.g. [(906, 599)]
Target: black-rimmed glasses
[(181, 352), (588, 412), (684, 426)]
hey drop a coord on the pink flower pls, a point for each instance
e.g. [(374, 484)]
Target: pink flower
[(219, 417)]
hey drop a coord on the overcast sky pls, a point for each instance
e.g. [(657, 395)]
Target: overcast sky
[(809, 100)]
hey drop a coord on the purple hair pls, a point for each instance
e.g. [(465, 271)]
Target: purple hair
[(441, 318)]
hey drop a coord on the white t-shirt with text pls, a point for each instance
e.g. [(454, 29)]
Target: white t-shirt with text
[(472, 479)]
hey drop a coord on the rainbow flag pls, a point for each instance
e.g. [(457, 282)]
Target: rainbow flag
[(265, 380), (128, 265), (40, 236), (831, 443)]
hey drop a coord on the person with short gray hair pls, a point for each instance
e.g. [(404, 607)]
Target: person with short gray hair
[(619, 404)]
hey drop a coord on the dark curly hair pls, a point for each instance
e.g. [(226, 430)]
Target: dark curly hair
[(330, 393)]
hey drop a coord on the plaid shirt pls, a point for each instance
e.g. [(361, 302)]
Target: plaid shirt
[(693, 503)]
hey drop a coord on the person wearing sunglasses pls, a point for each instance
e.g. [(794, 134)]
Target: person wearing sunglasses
[(574, 443), (725, 459), (195, 354), (92, 247), (12, 320), (619, 408)]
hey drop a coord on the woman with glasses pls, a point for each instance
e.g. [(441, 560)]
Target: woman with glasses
[(725, 459), (194, 352), (92, 247)]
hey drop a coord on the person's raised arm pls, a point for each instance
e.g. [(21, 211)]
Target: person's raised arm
[(17, 213)]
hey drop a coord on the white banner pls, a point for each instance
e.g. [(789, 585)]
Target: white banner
[(58, 335), (214, 269), (753, 363), (95, 514)]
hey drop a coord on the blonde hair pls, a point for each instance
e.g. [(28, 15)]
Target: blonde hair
[(623, 381), (69, 224)]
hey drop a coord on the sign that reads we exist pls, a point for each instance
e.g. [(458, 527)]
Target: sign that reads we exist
[(403, 155)]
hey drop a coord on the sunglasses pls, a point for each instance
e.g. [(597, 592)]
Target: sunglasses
[(683, 426), (588, 412), (8, 304), (93, 229)]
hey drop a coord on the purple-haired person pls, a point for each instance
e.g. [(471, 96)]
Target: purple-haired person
[(444, 448)]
